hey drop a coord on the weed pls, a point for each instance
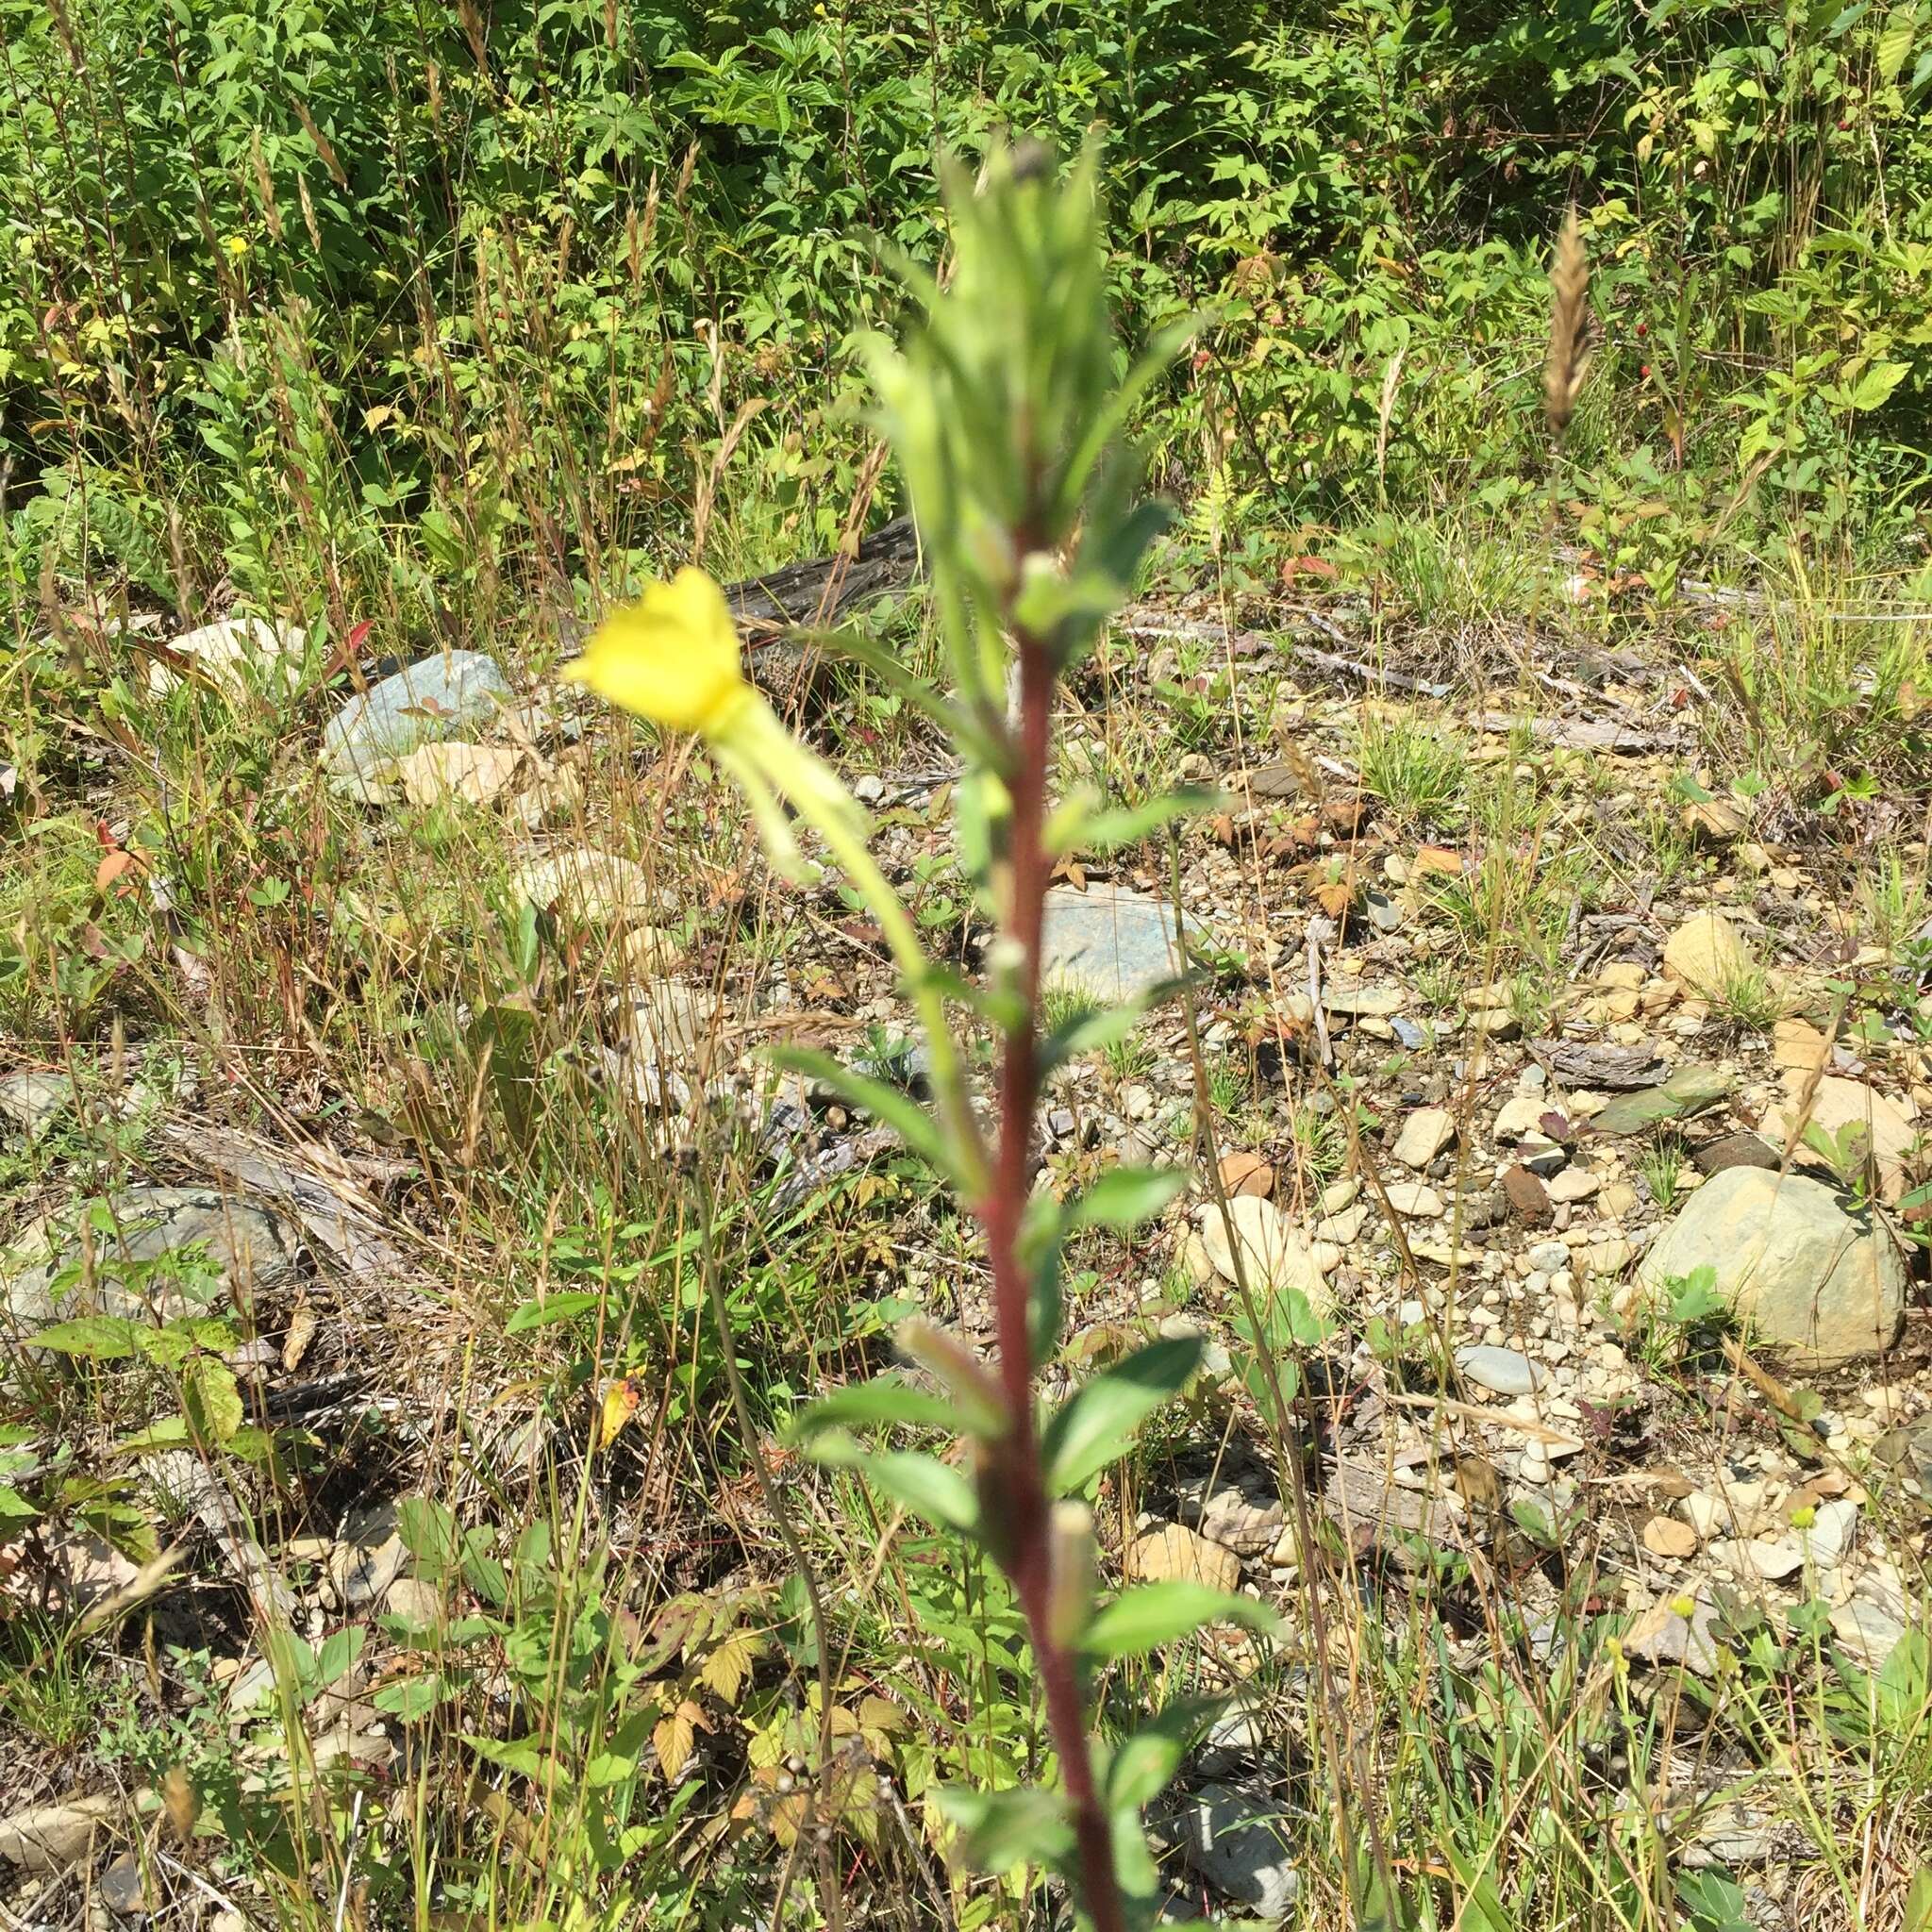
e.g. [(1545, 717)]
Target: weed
[(1751, 998), (1662, 1166), (1415, 768)]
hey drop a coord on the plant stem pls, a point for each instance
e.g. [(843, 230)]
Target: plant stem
[(1021, 1482)]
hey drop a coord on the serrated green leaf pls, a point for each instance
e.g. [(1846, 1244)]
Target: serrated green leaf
[(1154, 1614), (13, 1505), (1895, 43), (170, 1432), (107, 1338), (1097, 1422), (1873, 389), (211, 1399)]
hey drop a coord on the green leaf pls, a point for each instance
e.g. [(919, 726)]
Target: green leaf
[(413, 1698), (999, 1831), (1155, 1614), (170, 1432), (897, 1109), (13, 1505), (926, 1485), (553, 1309), (1097, 1422), (1904, 1682), (1124, 1197), (1099, 1028), (1875, 386), (1712, 1902), (1106, 831), (339, 1654), (1895, 42), (1143, 1762), (887, 1401), (211, 1399), (1918, 1916), (108, 1337), (429, 1531)]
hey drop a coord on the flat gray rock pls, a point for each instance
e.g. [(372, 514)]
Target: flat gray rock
[(1807, 1276), (1501, 1371), (1109, 942), (439, 697), (1238, 1842), (247, 1249), (32, 1100)]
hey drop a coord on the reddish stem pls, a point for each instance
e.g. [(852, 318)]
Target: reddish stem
[(1021, 1481)]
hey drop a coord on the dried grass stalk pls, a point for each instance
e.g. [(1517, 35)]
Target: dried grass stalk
[(1568, 358)]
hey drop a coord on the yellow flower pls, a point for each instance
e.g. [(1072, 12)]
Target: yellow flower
[(672, 657)]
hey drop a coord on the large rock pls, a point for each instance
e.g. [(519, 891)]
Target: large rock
[(1808, 1276), (444, 696), (1837, 1104), (1240, 1843), (1274, 1255), (33, 1101), (238, 651), (1707, 954), (1171, 1552), (248, 1250), (1425, 1134), (586, 886), (1108, 942)]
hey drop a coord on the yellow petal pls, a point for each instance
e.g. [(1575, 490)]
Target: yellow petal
[(672, 657)]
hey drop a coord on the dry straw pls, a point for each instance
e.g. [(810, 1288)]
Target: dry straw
[(1568, 356)]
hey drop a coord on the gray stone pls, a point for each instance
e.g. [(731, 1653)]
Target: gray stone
[(369, 1554), (1869, 1632), (33, 1100), (1238, 1843), (123, 1888), (249, 1249), (440, 697), (1109, 942), (1502, 1371), (1810, 1277), (1246, 1517), (1734, 1149)]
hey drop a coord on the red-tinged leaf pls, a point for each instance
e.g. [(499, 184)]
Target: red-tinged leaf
[(110, 869)]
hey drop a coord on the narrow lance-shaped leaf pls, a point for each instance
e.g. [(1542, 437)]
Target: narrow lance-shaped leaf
[(1155, 1614), (1095, 1424), (897, 1109), (885, 1401), (925, 1483)]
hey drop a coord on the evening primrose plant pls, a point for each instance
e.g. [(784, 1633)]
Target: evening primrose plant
[(1006, 410)]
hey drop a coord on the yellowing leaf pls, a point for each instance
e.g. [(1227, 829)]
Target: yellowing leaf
[(620, 1405), (672, 1738), (725, 1669)]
